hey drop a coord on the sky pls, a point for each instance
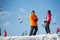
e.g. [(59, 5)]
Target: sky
[(12, 10)]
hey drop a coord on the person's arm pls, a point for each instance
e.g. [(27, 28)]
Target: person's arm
[(36, 19), (31, 18)]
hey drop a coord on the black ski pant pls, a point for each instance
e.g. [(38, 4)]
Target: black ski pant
[(33, 30), (47, 27)]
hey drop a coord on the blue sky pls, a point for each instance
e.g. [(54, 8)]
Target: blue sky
[(14, 9)]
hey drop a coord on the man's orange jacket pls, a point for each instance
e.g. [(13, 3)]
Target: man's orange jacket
[(33, 19)]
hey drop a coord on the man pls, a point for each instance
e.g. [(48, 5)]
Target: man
[(0, 31), (57, 30), (33, 23), (5, 33), (48, 19)]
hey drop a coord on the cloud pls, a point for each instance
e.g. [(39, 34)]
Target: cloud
[(4, 14), (22, 10), (6, 24)]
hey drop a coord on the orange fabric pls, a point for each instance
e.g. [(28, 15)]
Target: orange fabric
[(32, 18)]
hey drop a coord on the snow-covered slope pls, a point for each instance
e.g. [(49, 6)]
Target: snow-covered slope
[(37, 37)]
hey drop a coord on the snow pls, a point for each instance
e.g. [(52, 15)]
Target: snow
[(37, 37)]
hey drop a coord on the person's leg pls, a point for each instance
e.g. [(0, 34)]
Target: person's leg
[(57, 32), (31, 31), (35, 30), (46, 27), (46, 30)]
